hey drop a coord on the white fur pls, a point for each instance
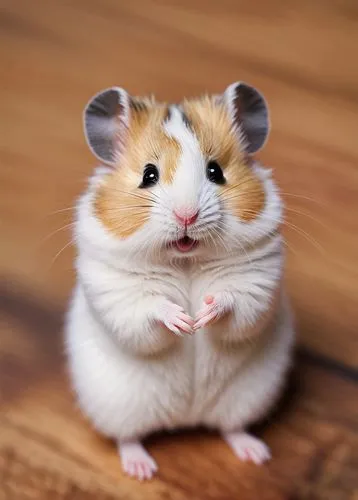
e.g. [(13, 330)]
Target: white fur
[(191, 165), (229, 99), (132, 375)]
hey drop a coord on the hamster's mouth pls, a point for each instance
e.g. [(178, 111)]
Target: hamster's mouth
[(185, 244)]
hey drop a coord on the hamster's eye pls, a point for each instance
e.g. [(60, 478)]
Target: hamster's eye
[(150, 176), (215, 173)]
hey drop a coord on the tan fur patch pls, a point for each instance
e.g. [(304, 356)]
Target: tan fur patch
[(243, 193), (120, 204)]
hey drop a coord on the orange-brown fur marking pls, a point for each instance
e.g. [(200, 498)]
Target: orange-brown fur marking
[(170, 153), (243, 192), (120, 204)]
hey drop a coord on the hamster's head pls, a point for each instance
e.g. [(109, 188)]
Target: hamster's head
[(180, 180)]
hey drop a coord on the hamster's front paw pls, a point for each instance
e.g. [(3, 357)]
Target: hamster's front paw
[(215, 306), (175, 319)]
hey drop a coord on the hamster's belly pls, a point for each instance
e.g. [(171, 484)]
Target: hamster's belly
[(213, 370), (124, 395), (236, 386)]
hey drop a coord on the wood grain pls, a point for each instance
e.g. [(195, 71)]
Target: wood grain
[(54, 56)]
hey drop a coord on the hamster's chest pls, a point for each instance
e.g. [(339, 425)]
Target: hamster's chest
[(174, 284), (206, 280), (189, 284)]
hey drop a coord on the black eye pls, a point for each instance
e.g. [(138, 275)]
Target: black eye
[(150, 176), (214, 173)]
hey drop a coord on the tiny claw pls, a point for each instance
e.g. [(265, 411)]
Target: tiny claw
[(183, 327), (205, 320), (187, 319)]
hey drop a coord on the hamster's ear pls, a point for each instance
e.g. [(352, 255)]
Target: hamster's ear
[(106, 122), (249, 113)]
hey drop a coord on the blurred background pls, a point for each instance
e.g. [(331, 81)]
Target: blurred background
[(54, 56)]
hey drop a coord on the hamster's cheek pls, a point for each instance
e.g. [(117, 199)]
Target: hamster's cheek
[(244, 196), (121, 207)]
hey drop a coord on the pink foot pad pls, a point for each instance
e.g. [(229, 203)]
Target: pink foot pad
[(136, 462), (247, 447)]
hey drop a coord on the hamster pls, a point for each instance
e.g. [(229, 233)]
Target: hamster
[(179, 316)]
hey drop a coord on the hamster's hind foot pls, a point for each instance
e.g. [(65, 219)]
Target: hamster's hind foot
[(247, 447), (136, 461)]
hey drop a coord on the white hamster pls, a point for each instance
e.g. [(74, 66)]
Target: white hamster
[(179, 316)]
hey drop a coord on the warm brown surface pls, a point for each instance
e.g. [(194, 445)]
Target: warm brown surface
[(54, 56)]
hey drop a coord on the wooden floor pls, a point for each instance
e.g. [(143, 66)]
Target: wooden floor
[(54, 55)]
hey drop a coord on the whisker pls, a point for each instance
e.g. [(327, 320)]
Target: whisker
[(150, 196), (304, 197), (263, 233), (121, 227), (128, 207), (60, 252), (235, 197), (234, 186), (236, 240), (55, 232), (283, 193), (60, 211), (283, 221), (307, 236), (299, 230), (209, 233), (299, 212)]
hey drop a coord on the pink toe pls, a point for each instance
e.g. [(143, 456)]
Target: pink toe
[(148, 471), (252, 456), (134, 470), (258, 456), (128, 468), (209, 299), (141, 471), (144, 471)]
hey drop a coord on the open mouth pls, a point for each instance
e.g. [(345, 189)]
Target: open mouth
[(185, 244)]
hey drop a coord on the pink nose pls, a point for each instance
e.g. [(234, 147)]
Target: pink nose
[(186, 219)]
